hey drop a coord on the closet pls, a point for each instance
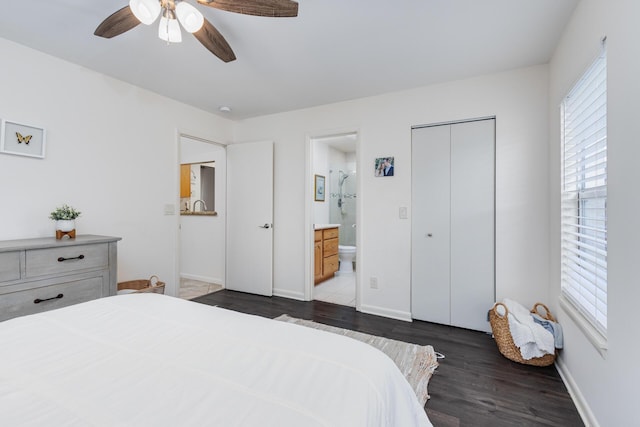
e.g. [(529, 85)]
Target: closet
[(453, 223)]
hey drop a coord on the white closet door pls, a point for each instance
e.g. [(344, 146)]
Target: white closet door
[(430, 280), (472, 223), (453, 193)]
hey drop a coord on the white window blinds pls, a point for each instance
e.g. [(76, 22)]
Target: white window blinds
[(584, 195)]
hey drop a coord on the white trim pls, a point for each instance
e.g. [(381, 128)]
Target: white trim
[(589, 331), (385, 312), (581, 403), (288, 294)]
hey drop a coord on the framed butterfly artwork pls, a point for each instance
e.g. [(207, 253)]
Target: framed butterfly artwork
[(22, 140)]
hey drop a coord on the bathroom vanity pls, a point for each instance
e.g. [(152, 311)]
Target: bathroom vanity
[(325, 251)]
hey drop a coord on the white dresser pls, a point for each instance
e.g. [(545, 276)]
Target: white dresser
[(42, 274)]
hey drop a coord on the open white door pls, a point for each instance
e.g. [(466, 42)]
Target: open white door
[(250, 218)]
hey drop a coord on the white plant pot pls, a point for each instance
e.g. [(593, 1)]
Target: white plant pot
[(65, 224)]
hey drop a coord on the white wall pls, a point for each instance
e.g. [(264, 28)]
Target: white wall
[(108, 143), (519, 101), (202, 238), (606, 388)]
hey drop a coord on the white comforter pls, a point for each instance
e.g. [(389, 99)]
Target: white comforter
[(153, 360)]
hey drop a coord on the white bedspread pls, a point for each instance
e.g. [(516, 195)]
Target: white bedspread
[(153, 360)]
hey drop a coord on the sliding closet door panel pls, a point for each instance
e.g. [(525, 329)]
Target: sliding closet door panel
[(430, 224), (472, 223)]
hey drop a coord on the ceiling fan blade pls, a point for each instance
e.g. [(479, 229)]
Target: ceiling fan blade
[(211, 38), (116, 24), (271, 8)]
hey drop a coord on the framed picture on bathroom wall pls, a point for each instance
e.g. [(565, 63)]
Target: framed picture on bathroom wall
[(319, 188), (383, 166), (22, 140)]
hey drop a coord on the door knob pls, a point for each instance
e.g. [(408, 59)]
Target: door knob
[(265, 226), (429, 235)]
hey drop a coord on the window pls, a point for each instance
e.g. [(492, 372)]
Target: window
[(584, 195)]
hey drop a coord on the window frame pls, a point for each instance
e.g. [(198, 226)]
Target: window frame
[(583, 246)]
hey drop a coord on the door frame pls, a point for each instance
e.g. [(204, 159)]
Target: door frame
[(308, 210), (177, 237)]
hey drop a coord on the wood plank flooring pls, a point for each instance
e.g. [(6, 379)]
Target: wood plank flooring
[(473, 386)]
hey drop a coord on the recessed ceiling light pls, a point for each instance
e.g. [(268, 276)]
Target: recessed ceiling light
[(225, 109)]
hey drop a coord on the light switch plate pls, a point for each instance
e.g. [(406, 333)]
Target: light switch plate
[(402, 212), (169, 209)]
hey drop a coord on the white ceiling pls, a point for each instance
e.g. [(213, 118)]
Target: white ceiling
[(335, 50)]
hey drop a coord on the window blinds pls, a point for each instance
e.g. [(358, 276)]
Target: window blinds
[(584, 194)]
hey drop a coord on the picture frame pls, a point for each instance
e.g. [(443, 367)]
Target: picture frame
[(384, 166), (319, 188), (22, 140)]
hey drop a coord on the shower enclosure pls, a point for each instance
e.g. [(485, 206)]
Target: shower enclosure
[(342, 200)]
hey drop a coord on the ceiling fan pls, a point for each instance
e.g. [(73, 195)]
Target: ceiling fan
[(174, 11)]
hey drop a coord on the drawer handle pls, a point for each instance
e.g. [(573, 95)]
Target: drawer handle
[(38, 300), (61, 259)]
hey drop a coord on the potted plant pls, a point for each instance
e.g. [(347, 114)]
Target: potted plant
[(65, 217)]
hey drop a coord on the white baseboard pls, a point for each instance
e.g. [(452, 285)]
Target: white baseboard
[(584, 410), (288, 294), (214, 280), (385, 312)]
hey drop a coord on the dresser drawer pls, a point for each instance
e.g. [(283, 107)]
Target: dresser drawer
[(48, 297), (330, 247), (66, 259), (9, 266), (330, 265)]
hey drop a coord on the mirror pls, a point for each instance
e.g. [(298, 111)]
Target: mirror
[(197, 188)]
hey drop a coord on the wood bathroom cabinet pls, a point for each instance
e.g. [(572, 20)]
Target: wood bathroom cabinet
[(325, 253)]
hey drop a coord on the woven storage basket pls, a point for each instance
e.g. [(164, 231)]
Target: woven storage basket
[(145, 285), (502, 335)]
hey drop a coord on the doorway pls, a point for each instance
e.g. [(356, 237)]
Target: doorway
[(201, 258), (334, 210)]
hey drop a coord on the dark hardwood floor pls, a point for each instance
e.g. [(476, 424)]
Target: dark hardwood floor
[(473, 386)]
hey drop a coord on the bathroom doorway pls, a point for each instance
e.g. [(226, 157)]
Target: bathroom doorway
[(334, 176)]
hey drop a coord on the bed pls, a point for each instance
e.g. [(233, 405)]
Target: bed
[(155, 360)]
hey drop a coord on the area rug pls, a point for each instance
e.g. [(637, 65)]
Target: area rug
[(416, 362)]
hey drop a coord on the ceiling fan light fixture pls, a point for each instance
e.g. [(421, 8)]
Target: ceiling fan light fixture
[(169, 29), (146, 11), (190, 17)]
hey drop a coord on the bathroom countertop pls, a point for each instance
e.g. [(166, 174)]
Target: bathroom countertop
[(199, 213), (323, 226)]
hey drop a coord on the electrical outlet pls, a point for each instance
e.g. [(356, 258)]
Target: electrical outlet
[(373, 282)]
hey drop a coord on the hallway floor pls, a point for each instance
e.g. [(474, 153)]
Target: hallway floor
[(341, 289), (190, 289)]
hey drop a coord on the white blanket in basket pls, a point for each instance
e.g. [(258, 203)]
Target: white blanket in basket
[(532, 339)]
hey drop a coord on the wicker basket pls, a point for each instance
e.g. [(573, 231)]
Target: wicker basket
[(502, 334), (145, 285)]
